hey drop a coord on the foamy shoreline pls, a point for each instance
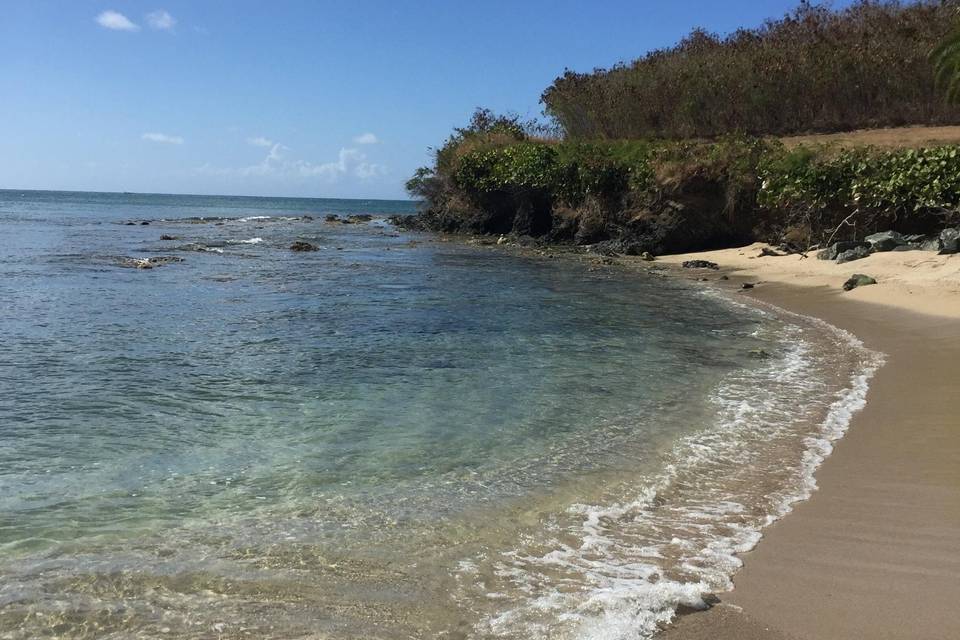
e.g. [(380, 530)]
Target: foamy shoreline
[(872, 553)]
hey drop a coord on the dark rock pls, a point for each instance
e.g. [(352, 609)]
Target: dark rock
[(930, 244), (850, 255), (700, 264), (834, 250), (908, 247), (747, 285), (299, 245), (857, 280), (724, 277), (145, 223), (647, 256), (360, 217), (331, 217), (885, 241), (759, 354), (949, 241), (168, 237), (767, 251), (307, 218), (130, 224), (915, 238)]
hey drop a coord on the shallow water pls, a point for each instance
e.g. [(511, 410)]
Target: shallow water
[(389, 437)]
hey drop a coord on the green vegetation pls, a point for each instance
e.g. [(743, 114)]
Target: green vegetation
[(814, 70), (946, 64), (634, 169)]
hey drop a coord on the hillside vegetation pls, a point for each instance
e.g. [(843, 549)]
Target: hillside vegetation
[(814, 70), (657, 184)]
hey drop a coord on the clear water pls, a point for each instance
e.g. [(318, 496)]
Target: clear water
[(389, 437)]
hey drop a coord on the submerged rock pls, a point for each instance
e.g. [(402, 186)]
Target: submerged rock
[(147, 263), (360, 217), (759, 354), (857, 280), (857, 253), (331, 217), (700, 264), (885, 241), (168, 237), (300, 245), (949, 241)]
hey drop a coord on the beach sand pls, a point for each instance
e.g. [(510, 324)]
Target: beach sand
[(875, 553)]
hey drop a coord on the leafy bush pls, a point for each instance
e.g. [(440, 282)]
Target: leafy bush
[(895, 182)]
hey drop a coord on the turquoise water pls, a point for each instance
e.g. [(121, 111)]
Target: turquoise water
[(388, 437)]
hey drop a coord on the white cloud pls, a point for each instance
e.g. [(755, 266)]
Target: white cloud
[(162, 137), (116, 21), (366, 138), (260, 141), (349, 162), (161, 20)]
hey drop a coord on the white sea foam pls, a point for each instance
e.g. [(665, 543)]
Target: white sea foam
[(252, 218), (251, 241), (620, 570)]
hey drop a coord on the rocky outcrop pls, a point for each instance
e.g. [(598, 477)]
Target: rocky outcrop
[(833, 251), (885, 241), (696, 213), (300, 245)]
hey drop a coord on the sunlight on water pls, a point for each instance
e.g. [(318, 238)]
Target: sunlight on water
[(386, 437)]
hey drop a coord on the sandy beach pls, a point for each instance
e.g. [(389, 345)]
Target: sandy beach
[(873, 554)]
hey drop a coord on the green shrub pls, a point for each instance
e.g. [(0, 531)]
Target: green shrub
[(895, 182)]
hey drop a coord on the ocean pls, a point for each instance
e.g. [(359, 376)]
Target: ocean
[(391, 436)]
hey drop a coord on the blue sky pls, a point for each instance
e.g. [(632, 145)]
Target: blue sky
[(293, 97)]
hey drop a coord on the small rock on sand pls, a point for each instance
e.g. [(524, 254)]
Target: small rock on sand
[(858, 280)]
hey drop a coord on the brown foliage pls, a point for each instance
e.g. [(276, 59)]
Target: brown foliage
[(813, 70)]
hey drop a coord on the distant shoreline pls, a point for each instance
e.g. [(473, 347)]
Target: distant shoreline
[(201, 195)]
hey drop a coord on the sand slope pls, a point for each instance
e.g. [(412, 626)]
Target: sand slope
[(916, 280), (875, 553)]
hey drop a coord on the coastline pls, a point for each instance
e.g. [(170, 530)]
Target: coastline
[(873, 552)]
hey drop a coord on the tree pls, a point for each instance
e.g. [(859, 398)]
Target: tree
[(946, 65)]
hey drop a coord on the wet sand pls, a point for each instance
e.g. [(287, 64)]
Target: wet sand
[(875, 553)]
